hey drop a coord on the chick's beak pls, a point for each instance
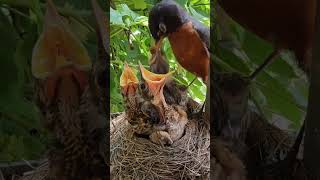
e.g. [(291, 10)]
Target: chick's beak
[(155, 49), (57, 47), (128, 81), (156, 83), (158, 44)]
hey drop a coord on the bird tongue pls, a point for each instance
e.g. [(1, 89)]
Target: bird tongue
[(66, 85), (57, 47), (155, 83)]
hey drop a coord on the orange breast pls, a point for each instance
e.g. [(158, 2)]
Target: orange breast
[(190, 50)]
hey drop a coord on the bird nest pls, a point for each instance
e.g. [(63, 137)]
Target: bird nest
[(134, 157), (39, 173)]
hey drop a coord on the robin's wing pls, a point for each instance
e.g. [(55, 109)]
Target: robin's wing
[(202, 30)]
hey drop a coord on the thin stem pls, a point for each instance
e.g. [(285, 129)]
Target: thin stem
[(78, 15), (266, 62), (62, 10), (17, 12)]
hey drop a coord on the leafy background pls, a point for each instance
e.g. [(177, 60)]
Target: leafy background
[(280, 92), (130, 41), (21, 135)]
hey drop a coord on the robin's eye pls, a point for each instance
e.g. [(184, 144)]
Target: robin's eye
[(143, 87), (162, 28)]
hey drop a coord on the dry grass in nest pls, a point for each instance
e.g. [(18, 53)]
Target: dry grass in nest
[(40, 173), (138, 158)]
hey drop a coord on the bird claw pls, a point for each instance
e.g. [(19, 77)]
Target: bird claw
[(161, 138)]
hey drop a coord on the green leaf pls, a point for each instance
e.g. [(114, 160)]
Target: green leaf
[(115, 17), (140, 4), (8, 70)]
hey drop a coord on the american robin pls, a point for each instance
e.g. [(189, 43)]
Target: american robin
[(128, 81), (174, 93), (150, 116), (58, 48), (61, 64), (155, 84), (173, 116), (158, 63), (279, 23), (140, 112), (188, 37)]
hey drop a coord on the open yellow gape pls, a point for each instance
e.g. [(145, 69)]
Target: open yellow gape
[(156, 83), (57, 47), (128, 81)]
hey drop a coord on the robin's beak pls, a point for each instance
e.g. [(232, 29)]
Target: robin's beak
[(156, 83), (128, 81), (158, 44), (57, 47)]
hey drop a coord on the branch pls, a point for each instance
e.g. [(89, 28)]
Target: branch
[(77, 14), (18, 167), (62, 10)]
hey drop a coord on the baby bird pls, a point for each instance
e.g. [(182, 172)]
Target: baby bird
[(158, 63), (173, 116), (146, 109), (142, 115), (129, 84), (62, 68)]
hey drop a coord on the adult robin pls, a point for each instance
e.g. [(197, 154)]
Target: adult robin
[(279, 23), (188, 37)]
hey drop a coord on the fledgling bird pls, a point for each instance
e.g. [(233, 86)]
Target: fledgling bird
[(129, 84), (228, 165), (143, 116), (158, 63), (188, 37), (174, 118), (133, 100), (230, 108), (234, 91), (62, 66)]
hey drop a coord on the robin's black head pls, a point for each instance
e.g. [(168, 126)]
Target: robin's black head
[(165, 17)]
